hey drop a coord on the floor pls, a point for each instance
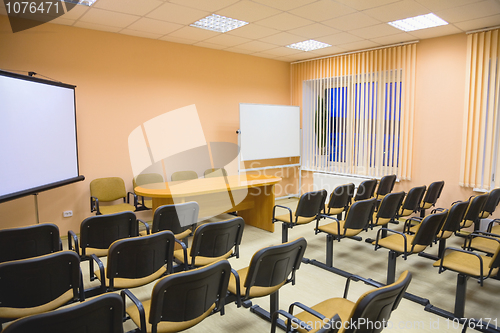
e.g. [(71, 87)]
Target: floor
[(314, 284)]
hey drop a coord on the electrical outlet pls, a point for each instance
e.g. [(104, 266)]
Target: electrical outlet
[(68, 213)]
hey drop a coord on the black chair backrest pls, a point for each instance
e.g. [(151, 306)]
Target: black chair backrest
[(429, 227), (492, 202), (215, 239), (311, 203), (103, 314), (455, 216), (433, 192), (413, 199), (274, 265), (376, 306), (390, 205), (187, 295), (386, 184), (340, 196), (28, 242), (176, 218), (475, 208), (360, 214), (138, 257), (101, 231), (366, 190), (36, 281)]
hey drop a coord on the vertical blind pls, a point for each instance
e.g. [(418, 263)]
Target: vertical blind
[(480, 158), (357, 111)]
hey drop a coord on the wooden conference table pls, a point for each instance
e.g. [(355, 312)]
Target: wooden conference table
[(252, 196)]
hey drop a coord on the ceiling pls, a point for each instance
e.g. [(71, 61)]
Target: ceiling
[(347, 25)]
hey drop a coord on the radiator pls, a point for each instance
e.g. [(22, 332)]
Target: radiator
[(329, 181)]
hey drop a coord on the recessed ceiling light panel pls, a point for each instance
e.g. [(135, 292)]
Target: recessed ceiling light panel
[(419, 22), (308, 45), (81, 2), (218, 23)]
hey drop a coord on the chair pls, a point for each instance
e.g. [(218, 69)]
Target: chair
[(178, 218), (492, 228), (143, 179), (103, 314), (468, 264), (385, 186), (491, 204), (405, 244), (431, 196), (181, 300), (184, 175), (474, 211), (370, 313), (108, 190), (339, 201), (212, 242), (308, 209), (386, 212), (411, 203), (218, 172), (136, 261), (270, 268), (366, 190), (357, 219), (40, 284), (28, 242)]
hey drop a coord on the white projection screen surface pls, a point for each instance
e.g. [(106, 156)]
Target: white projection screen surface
[(38, 135), (269, 131)]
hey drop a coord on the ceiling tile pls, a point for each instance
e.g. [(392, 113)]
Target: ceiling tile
[(284, 21), (209, 6), (378, 30), (154, 26), (470, 12), (285, 4), (283, 38), (196, 34), (314, 30), (434, 5), (76, 12), (436, 31), (172, 12), (133, 7), (227, 40), (322, 10), (341, 38), (394, 39), (329, 50), (265, 55), (253, 31), (351, 21), (210, 45), (397, 11), (140, 34), (95, 26), (248, 11), (361, 45), (108, 18), (256, 46), (236, 49), (366, 4), (483, 22), (173, 39), (282, 51)]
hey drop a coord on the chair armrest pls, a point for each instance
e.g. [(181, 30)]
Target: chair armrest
[(145, 224), (305, 308), (134, 196), (184, 251), (441, 269), (238, 288), (93, 258), (490, 225), (94, 205), (480, 234), (405, 255), (284, 207), (408, 225), (140, 308), (335, 220), (72, 236), (291, 319)]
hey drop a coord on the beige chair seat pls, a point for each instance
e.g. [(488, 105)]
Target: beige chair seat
[(396, 243), (98, 252), (122, 207), (484, 244), (333, 211), (444, 234), (122, 283), (254, 291), (200, 260), (148, 203), (496, 230), (380, 221), (466, 224), (182, 235), (300, 220), (328, 308), (14, 313), (468, 264), (332, 229), (164, 326)]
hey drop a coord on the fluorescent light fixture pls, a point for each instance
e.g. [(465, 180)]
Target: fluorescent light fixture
[(218, 23), (308, 45), (81, 2), (419, 22)]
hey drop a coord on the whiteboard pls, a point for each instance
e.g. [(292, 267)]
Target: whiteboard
[(269, 131)]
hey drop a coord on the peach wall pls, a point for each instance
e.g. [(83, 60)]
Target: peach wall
[(123, 81)]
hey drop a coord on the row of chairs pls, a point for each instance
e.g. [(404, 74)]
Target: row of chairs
[(110, 189)]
